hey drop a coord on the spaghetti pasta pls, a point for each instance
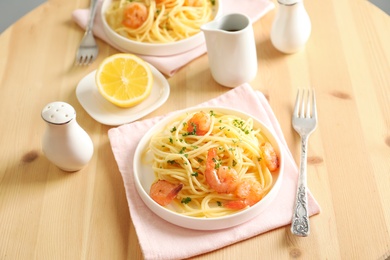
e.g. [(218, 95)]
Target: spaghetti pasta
[(158, 21), (228, 153)]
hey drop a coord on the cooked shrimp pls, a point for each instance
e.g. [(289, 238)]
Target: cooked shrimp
[(220, 178), (199, 124), (163, 192), (270, 157), (135, 15), (249, 192), (165, 2)]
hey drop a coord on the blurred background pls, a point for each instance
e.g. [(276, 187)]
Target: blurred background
[(382, 4), (12, 10)]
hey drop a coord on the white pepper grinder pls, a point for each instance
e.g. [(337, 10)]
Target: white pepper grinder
[(292, 27), (64, 142)]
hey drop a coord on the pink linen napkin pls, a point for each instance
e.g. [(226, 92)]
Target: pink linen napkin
[(168, 65), (175, 242)]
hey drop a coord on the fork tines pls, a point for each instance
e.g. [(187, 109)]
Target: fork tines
[(310, 104), (84, 60)]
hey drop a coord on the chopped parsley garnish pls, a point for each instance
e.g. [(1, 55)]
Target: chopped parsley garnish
[(171, 161), (186, 200), (193, 130), (195, 174), (241, 125), (217, 163)]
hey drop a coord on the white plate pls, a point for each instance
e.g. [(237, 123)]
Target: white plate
[(144, 177), (107, 113)]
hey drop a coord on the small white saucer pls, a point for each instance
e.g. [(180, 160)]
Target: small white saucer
[(107, 113)]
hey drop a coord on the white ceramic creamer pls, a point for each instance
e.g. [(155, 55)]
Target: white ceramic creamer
[(292, 27), (231, 49), (64, 142)]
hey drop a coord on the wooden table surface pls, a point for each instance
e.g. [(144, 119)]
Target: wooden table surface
[(46, 213)]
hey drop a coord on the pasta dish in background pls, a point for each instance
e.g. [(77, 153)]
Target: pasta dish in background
[(209, 164), (158, 21)]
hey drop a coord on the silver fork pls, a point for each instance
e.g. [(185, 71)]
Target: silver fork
[(88, 49), (304, 123)]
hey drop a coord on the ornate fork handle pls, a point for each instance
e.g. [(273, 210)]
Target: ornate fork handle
[(300, 220)]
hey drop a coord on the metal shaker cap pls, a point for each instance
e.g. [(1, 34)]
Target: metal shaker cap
[(58, 113)]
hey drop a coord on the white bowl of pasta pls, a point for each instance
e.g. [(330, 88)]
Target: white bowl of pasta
[(157, 28), (208, 168)]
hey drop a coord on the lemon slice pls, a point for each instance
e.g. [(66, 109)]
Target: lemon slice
[(124, 79)]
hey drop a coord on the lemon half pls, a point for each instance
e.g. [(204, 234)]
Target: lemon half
[(124, 79)]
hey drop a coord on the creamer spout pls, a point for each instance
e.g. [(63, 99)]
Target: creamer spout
[(209, 27)]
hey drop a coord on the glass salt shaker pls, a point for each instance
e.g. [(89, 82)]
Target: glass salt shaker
[(292, 27), (64, 142)]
